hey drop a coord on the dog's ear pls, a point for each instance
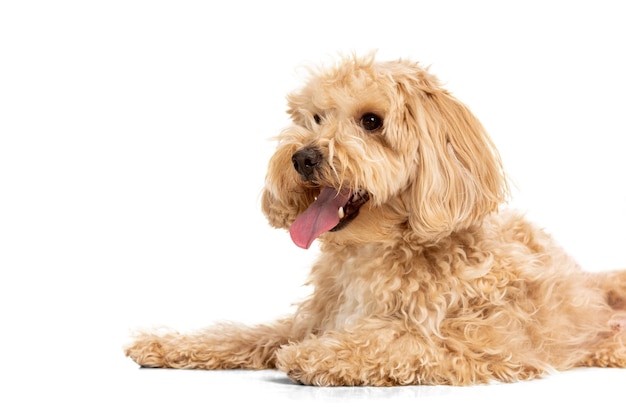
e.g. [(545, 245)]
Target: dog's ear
[(459, 176)]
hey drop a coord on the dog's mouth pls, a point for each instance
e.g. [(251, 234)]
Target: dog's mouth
[(331, 211)]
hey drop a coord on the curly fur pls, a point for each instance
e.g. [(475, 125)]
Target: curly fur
[(432, 282)]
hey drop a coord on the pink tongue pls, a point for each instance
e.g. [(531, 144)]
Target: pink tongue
[(320, 216)]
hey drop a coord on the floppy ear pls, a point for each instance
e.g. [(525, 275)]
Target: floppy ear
[(459, 177)]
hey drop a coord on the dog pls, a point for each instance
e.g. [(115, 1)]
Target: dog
[(423, 277)]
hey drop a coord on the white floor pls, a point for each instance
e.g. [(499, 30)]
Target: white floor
[(125, 391)]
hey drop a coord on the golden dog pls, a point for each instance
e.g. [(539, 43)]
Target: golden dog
[(422, 278)]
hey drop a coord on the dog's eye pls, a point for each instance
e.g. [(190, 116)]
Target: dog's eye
[(371, 121), (317, 118)]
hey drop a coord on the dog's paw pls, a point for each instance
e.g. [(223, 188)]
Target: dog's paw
[(318, 365), (145, 353), (147, 350), (300, 366)]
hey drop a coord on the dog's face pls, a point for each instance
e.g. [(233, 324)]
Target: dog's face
[(377, 150)]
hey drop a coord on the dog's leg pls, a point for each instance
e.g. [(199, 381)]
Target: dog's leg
[(225, 346), (388, 358), (611, 351)]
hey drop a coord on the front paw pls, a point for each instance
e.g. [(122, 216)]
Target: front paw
[(317, 366), (146, 350), (158, 348)]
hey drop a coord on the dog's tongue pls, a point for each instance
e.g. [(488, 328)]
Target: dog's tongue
[(320, 217)]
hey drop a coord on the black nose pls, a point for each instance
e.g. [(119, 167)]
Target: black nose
[(306, 160)]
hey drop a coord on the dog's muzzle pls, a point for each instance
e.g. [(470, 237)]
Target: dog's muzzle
[(333, 209)]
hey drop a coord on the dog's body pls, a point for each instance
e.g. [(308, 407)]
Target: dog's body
[(421, 279)]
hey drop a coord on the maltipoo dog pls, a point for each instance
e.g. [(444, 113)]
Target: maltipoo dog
[(422, 278)]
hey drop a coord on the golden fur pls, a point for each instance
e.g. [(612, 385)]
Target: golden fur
[(432, 282)]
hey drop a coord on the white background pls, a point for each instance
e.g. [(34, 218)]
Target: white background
[(133, 147)]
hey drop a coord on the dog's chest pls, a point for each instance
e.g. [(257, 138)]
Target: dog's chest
[(355, 282)]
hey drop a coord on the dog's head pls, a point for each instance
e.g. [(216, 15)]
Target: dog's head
[(376, 150)]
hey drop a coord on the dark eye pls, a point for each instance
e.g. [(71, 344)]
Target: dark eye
[(317, 118), (371, 121)]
